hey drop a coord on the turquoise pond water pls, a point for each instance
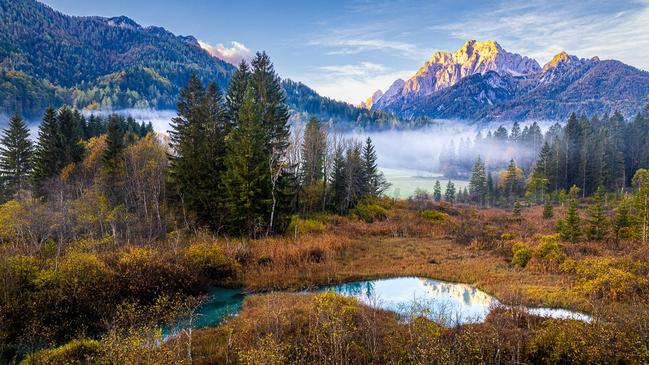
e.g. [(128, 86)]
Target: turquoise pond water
[(443, 302)]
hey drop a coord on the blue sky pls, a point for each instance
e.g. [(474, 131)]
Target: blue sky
[(347, 49)]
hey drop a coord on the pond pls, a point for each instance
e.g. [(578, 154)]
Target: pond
[(443, 302)]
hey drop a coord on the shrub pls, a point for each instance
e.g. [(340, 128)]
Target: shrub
[(211, 261), (304, 226), (76, 352), (549, 250), (369, 212), (434, 216), (522, 254), (609, 278)]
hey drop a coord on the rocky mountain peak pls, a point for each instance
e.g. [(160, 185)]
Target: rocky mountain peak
[(445, 69), (560, 58), (367, 104)]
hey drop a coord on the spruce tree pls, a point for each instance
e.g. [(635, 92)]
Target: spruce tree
[(314, 147), (597, 222), (47, 154), (247, 176), (114, 142), (437, 191), (237, 90), (449, 194), (15, 157), (478, 182), (570, 227), (374, 183), (270, 96), (337, 181), (548, 210), (70, 127)]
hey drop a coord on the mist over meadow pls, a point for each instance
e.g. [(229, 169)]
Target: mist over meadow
[(449, 148)]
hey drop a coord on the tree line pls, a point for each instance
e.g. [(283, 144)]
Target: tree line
[(230, 163)]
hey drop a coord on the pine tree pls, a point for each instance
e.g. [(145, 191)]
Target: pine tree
[(374, 183), (478, 182), (47, 154), (15, 157), (597, 222), (247, 175), (437, 191), (270, 96), (641, 202), (449, 194), (314, 147), (237, 90), (114, 142), (622, 222), (570, 227), (548, 210), (337, 181), (71, 126)]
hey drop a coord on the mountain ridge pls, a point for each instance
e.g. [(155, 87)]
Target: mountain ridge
[(511, 86)]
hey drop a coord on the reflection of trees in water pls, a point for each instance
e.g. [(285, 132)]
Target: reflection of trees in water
[(360, 289)]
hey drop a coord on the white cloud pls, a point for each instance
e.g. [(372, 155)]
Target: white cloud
[(234, 54), (540, 30), (353, 82), (354, 46)]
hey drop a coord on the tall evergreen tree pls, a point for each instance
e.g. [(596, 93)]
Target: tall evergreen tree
[(247, 175), (449, 193), (478, 182), (114, 142), (47, 154), (337, 181), (15, 157), (374, 183), (570, 227), (597, 221), (314, 147), (437, 191), (70, 127)]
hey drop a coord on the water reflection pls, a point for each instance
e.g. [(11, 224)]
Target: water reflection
[(447, 303), (443, 302)]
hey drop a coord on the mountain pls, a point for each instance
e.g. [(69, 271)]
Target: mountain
[(94, 61), (482, 81), (49, 58)]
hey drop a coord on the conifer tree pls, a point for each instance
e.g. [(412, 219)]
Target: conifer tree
[(437, 191), (570, 227), (314, 147), (641, 202), (622, 222), (548, 209), (597, 222), (374, 184), (247, 175), (337, 183), (478, 182), (15, 157), (449, 194), (70, 127), (47, 154), (237, 90), (114, 142)]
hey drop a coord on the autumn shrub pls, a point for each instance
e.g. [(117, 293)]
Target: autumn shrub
[(369, 210), (609, 278), (578, 342), (144, 274), (211, 260), (521, 254), (434, 216), (304, 226), (75, 352)]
